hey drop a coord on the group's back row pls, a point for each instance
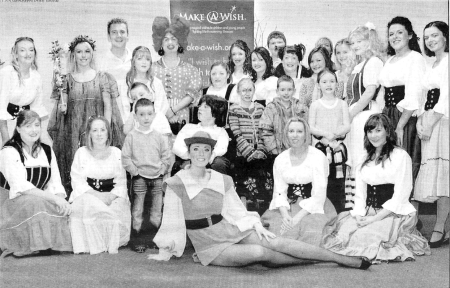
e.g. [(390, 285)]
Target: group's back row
[(280, 87)]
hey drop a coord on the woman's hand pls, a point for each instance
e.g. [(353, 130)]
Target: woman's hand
[(364, 221), (263, 232), (63, 206), (399, 132), (173, 119)]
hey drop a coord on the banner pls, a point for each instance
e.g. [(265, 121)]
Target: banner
[(214, 25)]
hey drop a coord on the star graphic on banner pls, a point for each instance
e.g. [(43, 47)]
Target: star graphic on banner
[(233, 8)]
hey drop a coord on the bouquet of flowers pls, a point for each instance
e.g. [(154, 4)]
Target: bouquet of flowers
[(59, 75)]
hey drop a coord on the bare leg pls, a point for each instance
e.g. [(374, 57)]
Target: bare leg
[(303, 250), (443, 210), (246, 254)]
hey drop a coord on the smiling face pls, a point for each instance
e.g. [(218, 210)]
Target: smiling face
[(296, 134), (327, 83), (258, 64), (170, 43), (377, 137), (145, 115), (398, 37), (98, 133), (118, 35), (204, 113), (343, 54), (285, 91), (290, 62), (219, 76), (317, 63), (143, 62), (199, 154), (30, 132), (83, 54), (434, 39), (359, 45), (246, 91), (274, 45), (26, 52), (238, 56)]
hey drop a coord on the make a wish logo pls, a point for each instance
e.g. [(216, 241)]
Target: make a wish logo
[(215, 17)]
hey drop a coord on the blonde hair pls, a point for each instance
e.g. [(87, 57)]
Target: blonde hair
[(73, 63), (285, 139), (347, 70), (15, 59), (91, 120), (138, 52), (376, 46)]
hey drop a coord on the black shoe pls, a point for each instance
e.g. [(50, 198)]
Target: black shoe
[(365, 264), (437, 244)]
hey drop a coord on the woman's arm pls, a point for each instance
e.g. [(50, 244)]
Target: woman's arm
[(342, 130), (363, 101), (171, 236), (4, 131), (406, 114)]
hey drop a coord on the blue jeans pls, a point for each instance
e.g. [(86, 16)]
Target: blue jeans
[(141, 186)]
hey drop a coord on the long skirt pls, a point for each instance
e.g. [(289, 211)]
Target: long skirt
[(96, 227), (395, 238), (433, 181), (254, 181), (411, 143), (308, 230), (30, 223)]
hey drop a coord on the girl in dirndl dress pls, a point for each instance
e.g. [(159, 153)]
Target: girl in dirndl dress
[(382, 225), (432, 183), (34, 212), (362, 89)]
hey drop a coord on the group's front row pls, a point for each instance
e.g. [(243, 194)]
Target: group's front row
[(302, 225)]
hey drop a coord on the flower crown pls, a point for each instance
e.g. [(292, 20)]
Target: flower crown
[(370, 26), (81, 39)]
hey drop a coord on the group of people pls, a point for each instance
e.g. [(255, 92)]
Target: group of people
[(273, 163)]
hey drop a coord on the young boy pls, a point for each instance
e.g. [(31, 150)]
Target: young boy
[(160, 123), (277, 113), (146, 156), (275, 41), (117, 60)]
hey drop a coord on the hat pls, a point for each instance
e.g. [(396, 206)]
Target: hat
[(201, 137)]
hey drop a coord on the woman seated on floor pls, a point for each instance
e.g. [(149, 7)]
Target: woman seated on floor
[(300, 208), (34, 218), (204, 202), (382, 224), (101, 217)]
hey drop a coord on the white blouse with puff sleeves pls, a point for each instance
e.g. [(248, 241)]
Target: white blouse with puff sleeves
[(85, 165), (397, 170), (314, 169)]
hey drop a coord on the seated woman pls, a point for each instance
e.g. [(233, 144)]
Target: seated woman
[(34, 216), (299, 208), (211, 110), (223, 233), (382, 224), (101, 217), (251, 172)]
